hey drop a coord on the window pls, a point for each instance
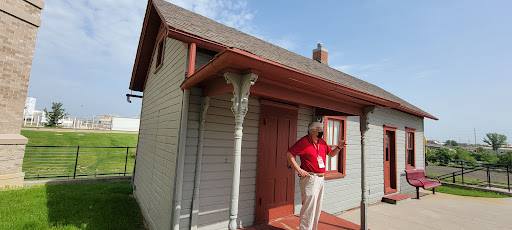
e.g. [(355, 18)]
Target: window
[(410, 150), (335, 130), (160, 53)]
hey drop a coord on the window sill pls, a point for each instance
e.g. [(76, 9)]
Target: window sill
[(334, 175), (157, 68)]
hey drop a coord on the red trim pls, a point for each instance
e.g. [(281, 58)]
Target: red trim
[(407, 131), (279, 105), (200, 42), (239, 59), (155, 45), (191, 59), (139, 47), (390, 190), (390, 127), (342, 155), (160, 53)]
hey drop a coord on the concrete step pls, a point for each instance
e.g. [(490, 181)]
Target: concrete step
[(396, 198)]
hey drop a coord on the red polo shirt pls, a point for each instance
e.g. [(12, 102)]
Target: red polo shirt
[(308, 153)]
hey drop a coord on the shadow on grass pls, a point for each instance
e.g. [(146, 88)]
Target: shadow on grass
[(93, 206)]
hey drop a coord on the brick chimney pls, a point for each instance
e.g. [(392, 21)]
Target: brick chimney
[(320, 54)]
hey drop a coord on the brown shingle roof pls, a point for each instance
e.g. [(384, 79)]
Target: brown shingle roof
[(190, 22)]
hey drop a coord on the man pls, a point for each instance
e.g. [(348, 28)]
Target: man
[(312, 150)]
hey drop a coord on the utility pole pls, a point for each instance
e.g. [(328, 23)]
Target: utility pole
[(476, 146)]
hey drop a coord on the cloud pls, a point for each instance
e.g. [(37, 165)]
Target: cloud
[(288, 42), (363, 69), (85, 50), (231, 13)]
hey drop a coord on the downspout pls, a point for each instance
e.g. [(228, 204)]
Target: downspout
[(194, 213), (364, 123), (181, 159)]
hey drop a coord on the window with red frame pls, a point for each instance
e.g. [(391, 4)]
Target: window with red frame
[(410, 150), (160, 54), (335, 130)]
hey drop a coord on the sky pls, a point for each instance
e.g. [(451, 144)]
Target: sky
[(452, 59)]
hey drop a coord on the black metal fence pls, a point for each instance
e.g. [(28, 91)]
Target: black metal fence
[(471, 173), (70, 162)]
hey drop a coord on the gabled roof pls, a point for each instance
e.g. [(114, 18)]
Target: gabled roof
[(189, 22)]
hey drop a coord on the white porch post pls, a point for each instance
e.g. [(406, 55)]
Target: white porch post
[(241, 90), (364, 122)]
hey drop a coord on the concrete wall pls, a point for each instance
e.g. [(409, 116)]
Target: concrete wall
[(19, 21), (157, 147)]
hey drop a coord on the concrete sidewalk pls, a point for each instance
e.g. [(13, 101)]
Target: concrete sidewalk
[(440, 211)]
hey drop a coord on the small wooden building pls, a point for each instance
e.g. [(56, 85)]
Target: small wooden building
[(220, 109)]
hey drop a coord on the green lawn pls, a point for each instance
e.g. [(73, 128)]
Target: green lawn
[(467, 192), (70, 206), (42, 160), (79, 138)]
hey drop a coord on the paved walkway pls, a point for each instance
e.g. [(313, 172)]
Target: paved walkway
[(440, 211)]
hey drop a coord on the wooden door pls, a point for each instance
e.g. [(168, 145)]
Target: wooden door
[(275, 179), (389, 160)]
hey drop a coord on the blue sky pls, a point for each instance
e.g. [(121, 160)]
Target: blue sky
[(450, 58)]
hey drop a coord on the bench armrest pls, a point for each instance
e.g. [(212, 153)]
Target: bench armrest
[(437, 179)]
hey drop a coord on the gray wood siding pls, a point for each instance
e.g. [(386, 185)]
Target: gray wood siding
[(158, 137), (341, 194), (217, 164)]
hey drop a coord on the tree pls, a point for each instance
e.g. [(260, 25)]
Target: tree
[(462, 154), (451, 143), (55, 115), (506, 158), (495, 140)]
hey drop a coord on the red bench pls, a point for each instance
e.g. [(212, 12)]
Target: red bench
[(416, 178)]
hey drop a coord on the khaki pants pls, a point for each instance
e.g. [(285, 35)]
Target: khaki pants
[(312, 191)]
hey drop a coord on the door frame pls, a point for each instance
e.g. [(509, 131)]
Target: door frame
[(270, 105), (393, 165)]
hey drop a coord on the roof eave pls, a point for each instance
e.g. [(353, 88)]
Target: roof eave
[(224, 59)]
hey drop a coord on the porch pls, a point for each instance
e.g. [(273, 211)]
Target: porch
[(327, 221)]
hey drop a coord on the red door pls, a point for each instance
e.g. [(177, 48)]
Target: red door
[(389, 160), (275, 180)]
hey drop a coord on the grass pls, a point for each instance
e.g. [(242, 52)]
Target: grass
[(79, 138), (70, 206), (467, 192), (467, 180), (39, 160)]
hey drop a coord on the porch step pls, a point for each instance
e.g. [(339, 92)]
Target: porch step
[(396, 198)]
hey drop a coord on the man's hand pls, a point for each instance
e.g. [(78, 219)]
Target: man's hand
[(303, 173), (342, 144), (294, 164)]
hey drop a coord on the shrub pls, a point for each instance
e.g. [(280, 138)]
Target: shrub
[(505, 158)]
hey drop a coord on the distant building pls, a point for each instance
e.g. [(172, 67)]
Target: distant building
[(30, 106), (125, 123)]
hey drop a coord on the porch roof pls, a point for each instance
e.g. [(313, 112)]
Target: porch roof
[(188, 25)]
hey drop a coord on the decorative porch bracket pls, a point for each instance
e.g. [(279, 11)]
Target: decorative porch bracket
[(364, 123), (241, 90)]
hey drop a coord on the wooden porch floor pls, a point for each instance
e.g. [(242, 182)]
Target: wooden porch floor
[(327, 221)]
